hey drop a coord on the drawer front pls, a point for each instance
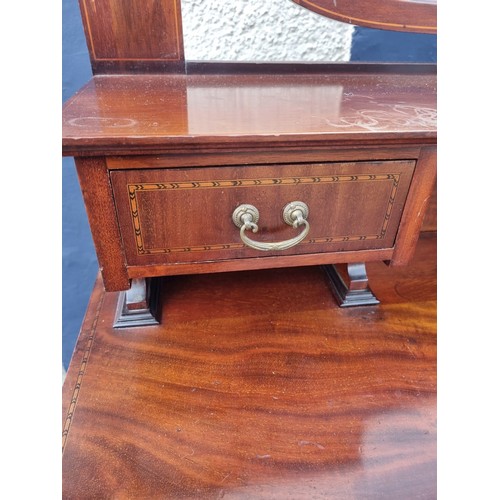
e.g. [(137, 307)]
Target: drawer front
[(185, 215)]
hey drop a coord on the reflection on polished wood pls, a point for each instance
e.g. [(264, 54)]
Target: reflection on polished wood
[(140, 113), (257, 385)]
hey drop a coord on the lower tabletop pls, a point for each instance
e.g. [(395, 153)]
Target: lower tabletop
[(257, 385)]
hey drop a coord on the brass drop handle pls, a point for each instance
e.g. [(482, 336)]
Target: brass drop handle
[(295, 214)]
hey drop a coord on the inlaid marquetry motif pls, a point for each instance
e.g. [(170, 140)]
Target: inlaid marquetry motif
[(377, 117), (81, 372), (135, 189)]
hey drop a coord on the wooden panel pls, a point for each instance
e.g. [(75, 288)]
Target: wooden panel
[(98, 197), (224, 266), (419, 16), (258, 386), (430, 219), (265, 156), (184, 215), (133, 35), (416, 207), (139, 114)]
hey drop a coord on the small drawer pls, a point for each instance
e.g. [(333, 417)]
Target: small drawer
[(182, 215)]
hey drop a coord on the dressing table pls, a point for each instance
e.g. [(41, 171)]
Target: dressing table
[(285, 173), (196, 167)]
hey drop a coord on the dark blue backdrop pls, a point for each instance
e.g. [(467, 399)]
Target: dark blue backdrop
[(79, 261), (79, 265)]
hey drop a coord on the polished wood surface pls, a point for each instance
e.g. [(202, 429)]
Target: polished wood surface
[(264, 155), (171, 113), (160, 221), (430, 219), (98, 198), (136, 36), (309, 259), (184, 215), (143, 128), (419, 16), (257, 385), (416, 206)]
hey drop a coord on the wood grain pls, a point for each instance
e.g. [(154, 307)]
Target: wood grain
[(430, 219), (240, 119), (101, 212), (258, 386), (184, 215), (244, 156), (136, 36), (178, 113), (416, 206), (251, 263), (395, 15)]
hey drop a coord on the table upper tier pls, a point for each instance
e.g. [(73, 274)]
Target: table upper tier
[(158, 113)]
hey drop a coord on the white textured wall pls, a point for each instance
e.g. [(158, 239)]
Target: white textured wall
[(270, 30)]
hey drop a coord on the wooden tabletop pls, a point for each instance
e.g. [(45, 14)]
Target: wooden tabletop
[(130, 114), (257, 385)]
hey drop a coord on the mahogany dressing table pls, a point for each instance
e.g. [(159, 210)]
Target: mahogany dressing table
[(190, 168), (179, 163)]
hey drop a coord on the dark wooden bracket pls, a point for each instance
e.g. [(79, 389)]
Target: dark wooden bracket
[(139, 306), (358, 292)]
